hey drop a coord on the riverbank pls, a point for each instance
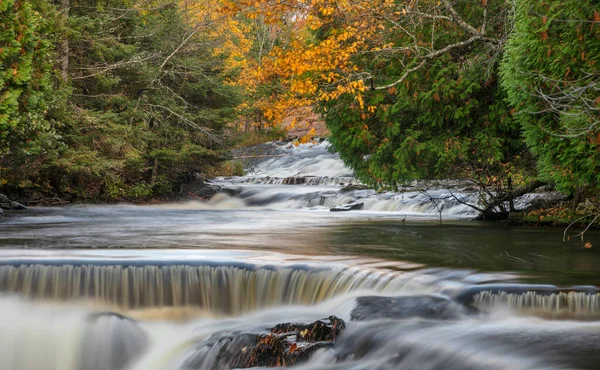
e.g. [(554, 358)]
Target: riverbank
[(286, 175)]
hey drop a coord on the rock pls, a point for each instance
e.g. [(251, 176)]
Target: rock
[(294, 180), (6, 203), (283, 345), (200, 189), (111, 341), (348, 207), (546, 200), (349, 188), (426, 306)]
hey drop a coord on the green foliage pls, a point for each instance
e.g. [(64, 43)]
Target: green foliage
[(229, 168), (551, 72), (146, 110), (446, 120), (26, 88)]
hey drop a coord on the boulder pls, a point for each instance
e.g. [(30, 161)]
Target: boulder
[(6, 203), (282, 345), (348, 207), (111, 341), (425, 306)]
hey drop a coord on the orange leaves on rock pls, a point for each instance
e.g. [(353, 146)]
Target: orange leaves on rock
[(293, 348)]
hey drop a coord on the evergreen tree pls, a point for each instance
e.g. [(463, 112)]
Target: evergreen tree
[(149, 103), (432, 107), (551, 71), (26, 86)]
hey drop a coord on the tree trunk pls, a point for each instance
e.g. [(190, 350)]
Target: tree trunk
[(490, 213), (154, 172), (64, 45)]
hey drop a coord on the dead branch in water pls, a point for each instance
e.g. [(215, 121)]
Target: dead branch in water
[(565, 237)]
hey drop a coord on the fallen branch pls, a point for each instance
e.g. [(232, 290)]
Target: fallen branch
[(565, 237)]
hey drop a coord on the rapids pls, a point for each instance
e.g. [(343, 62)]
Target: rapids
[(126, 287)]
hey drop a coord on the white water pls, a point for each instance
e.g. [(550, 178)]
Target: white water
[(310, 177), (273, 253)]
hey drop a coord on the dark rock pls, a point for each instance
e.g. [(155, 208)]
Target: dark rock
[(348, 207), (547, 200), (200, 189), (294, 180), (426, 306), (283, 345), (349, 188), (6, 203)]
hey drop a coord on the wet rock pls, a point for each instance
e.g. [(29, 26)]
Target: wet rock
[(294, 180), (349, 188), (200, 189), (283, 345), (348, 207), (6, 203), (426, 306)]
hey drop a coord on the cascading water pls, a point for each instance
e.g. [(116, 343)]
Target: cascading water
[(186, 286), (309, 176), (217, 290)]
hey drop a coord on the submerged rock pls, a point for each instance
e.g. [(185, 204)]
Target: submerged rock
[(348, 207), (111, 341), (282, 345), (426, 306)]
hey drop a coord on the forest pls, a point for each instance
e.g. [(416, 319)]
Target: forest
[(108, 100)]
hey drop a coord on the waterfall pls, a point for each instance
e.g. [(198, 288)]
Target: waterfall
[(568, 304), (215, 289), (50, 337)]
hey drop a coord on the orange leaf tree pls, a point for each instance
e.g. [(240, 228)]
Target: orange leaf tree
[(408, 89)]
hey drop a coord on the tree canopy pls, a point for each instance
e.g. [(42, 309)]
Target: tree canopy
[(125, 99)]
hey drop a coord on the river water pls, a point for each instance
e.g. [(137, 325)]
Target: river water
[(111, 287)]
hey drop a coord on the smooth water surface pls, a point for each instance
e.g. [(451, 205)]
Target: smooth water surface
[(110, 287)]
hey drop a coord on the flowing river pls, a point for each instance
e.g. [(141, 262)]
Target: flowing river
[(110, 287)]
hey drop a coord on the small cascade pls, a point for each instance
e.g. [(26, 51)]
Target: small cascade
[(216, 289), (560, 304), (311, 177), (48, 337)]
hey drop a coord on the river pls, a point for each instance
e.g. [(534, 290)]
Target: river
[(107, 287)]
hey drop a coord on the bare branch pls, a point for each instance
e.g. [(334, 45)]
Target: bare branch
[(458, 19), (430, 56), (583, 232)]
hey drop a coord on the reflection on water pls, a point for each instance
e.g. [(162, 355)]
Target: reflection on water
[(171, 287), (537, 252)]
